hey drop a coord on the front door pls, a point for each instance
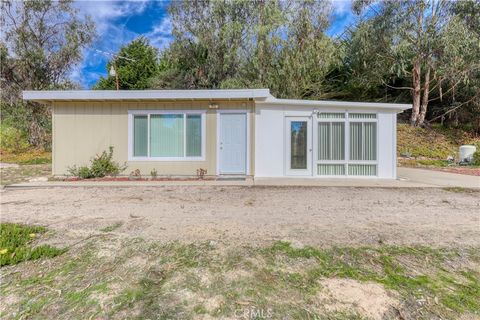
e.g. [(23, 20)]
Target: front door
[(233, 143), (298, 146)]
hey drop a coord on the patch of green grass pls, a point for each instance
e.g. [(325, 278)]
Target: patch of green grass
[(458, 190), (143, 279), (112, 227), (459, 292), (15, 244)]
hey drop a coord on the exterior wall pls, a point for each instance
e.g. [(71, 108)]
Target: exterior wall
[(83, 129), (270, 139)]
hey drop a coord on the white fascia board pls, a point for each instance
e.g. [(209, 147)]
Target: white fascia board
[(71, 95), (336, 104)]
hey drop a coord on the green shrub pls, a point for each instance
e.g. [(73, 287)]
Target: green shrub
[(476, 156), (100, 166), (12, 139), (15, 240)]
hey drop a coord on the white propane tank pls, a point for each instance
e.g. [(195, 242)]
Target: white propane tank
[(466, 153)]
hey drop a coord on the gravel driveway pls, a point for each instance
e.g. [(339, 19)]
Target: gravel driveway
[(254, 215)]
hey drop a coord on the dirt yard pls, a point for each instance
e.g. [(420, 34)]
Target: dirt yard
[(255, 215), (247, 253)]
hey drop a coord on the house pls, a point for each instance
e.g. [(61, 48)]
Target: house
[(226, 132)]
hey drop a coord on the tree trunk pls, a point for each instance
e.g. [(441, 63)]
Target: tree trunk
[(416, 93), (424, 105)]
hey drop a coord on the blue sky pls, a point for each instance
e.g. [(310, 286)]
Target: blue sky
[(119, 22)]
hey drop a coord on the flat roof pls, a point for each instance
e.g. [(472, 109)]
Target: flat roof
[(261, 97), (335, 104), (86, 95)]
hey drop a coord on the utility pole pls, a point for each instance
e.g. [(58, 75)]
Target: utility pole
[(113, 68)]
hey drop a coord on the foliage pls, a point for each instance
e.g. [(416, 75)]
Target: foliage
[(15, 244), (432, 53), (435, 143), (238, 44), (135, 64), (476, 155), (12, 140), (41, 42), (100, 166), (28, 156)]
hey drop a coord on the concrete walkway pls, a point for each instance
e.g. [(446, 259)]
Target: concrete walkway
[(407, 178)]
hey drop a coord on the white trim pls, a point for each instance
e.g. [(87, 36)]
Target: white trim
[(335, 104), (308, 172), (248, 145), (132, 113), (69, 95)]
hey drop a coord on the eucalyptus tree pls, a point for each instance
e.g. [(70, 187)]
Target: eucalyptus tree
[(420, 41)]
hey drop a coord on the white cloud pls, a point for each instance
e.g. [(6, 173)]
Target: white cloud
[(341, 6), (111, 35), (161, 35)]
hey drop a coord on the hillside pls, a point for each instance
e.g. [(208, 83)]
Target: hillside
[(432, 146)]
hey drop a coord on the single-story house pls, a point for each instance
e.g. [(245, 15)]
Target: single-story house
[(244, 132)]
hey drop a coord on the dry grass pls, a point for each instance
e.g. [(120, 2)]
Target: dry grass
[(24, 173), (116, 278)]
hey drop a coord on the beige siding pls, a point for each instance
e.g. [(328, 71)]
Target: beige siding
[(83, 129)]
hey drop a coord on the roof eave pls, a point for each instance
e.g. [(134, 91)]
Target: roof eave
[(337, 104), (145, 95)]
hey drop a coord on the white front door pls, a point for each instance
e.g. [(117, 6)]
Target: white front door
[(233, 143), (298, 146)]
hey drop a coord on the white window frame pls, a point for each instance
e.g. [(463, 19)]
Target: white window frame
[(347, 120), (148, 113)]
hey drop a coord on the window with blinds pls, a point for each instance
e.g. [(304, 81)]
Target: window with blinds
[(167, 135), (347, 144)]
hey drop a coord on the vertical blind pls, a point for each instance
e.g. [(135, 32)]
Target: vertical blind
[(194, 135), (140, 134), (166, 135), (171, 135), (331, 141), (331, 169), (363, 141), (331, 145)]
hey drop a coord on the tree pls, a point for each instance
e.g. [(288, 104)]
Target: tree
[(236, 44), (418, 49), (41, 42), (135, 64)]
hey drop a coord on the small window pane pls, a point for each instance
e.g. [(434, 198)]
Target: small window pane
[(298, 144), (166, 135), (362, 115), (338, 141), (194, 135), (356, 141), (370, 141), (331, 169), (331, 115), (331, 141), (363, 141), (140, 136), (323, 141), (362, 169)]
